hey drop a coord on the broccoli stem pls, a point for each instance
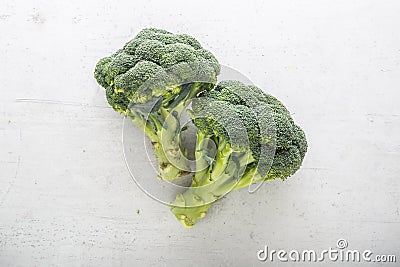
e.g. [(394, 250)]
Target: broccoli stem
[(192, 205), (171, 158), (142, 124), (210, 184), (220, 178), (171, 163), (170, 155), (201, 157), (163, 129)]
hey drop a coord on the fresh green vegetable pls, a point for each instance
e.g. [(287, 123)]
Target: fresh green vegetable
[(244, 136), (272, 145), (151, 80)]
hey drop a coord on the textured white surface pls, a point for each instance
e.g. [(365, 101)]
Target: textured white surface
[(66, 197)]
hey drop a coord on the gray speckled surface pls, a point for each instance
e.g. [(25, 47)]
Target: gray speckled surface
[(66, 197)]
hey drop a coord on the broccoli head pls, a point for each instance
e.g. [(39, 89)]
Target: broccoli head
[(152, 80), (256, 140)]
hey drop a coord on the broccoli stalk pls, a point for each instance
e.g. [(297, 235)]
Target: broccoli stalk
[(163, 128), (209, 184), (152, 80), (275, 146)]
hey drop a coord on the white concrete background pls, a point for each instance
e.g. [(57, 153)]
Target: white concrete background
[(66, 197)]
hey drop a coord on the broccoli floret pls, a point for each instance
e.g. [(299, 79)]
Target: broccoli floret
[(151, 80), (256, 141)]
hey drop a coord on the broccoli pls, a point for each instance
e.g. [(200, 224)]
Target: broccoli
[(256, 140), (152, 80)]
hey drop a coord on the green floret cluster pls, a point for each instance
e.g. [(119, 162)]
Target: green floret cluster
[(273, 146), (244, 136), (151, 80)]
